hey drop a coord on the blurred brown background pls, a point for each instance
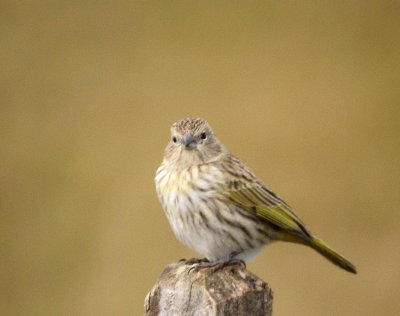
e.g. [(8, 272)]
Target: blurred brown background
[(307, 94)]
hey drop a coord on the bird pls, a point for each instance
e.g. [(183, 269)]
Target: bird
[(218, 207)]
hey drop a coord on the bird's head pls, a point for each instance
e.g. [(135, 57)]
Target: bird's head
[(192, 142)]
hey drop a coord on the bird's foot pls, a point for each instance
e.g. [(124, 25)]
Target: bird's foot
[(227, 263), (217, 265), (192, 261)]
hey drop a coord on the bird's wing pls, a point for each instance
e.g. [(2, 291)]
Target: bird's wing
[(250, 194)]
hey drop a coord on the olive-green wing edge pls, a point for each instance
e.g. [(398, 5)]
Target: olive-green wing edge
[(259, 201)]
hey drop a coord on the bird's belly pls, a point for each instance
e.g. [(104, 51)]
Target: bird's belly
[(190, 217), (203, 220), (211, 227)]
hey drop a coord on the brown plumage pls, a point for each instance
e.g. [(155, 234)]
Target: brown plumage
[(218, 207)]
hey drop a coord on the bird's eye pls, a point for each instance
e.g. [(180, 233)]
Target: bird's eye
[(203, 136), (174, 139)]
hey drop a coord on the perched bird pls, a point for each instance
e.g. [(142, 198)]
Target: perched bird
[(218, 207)]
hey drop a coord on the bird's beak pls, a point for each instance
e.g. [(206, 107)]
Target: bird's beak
[(188, 141)]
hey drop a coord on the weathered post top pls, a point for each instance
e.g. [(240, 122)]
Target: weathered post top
[(182, 289)]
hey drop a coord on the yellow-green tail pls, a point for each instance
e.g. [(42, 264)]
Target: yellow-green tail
[(332, 255)]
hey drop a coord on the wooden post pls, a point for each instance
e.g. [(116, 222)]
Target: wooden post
[(232, 290)]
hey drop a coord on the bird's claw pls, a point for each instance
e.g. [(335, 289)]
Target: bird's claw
[(232, 262), (215, 266), (192, 261)]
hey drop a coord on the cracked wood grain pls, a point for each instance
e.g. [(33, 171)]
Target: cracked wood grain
[(182, 289)]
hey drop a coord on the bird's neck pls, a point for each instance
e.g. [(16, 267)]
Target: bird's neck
[(188, 160)]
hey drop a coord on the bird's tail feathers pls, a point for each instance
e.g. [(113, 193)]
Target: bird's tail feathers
[(321, 247), (332, 255)]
